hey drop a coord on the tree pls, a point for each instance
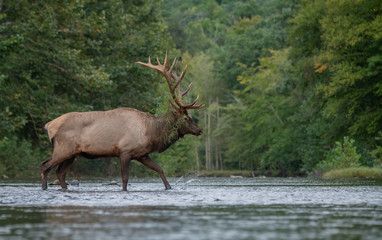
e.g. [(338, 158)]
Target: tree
[(336, 47), (74, 56)]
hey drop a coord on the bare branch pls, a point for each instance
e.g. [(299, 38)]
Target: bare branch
[(56, 66)]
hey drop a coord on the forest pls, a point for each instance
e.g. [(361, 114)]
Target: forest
[(291, 87)]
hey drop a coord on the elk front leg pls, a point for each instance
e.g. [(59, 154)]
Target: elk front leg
[(61, 171), (125, 165), (148, 162)]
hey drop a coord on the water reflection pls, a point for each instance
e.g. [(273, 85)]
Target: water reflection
[(213, 222)]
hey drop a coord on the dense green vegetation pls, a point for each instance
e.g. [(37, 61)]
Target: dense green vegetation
[(62, 56), (291, 87)]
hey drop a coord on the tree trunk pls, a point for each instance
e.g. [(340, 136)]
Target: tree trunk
[(219, 159), (209, 137), (197, 159), (207, 121)]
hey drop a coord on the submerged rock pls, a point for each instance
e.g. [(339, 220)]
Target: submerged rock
[(75, 182), (110, 183), (236, 176), (55, 182)]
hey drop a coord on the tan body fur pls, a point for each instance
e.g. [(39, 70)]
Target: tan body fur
[(123, 132), (95, 133)]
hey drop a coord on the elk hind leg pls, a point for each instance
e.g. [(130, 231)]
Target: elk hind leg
[(61, 171), (148, 162), (45, 167)]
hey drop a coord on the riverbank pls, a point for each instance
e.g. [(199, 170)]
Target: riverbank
[(355, 172)]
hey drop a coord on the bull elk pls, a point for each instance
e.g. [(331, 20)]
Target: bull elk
[(125, 133)]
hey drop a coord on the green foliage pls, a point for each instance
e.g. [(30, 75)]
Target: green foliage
[(180, 158), (75, 56), (196, 25), (221, 40), (17, 158), (328, 82), (377, 152), (291, 79), (258, 128), (62, 56), (351, 52), (343, 155)]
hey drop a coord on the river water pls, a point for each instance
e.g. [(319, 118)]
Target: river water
[(196, 208)]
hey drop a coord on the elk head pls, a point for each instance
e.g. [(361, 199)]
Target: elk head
[(185, 124)]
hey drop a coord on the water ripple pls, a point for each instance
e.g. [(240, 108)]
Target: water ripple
[(196, 208)]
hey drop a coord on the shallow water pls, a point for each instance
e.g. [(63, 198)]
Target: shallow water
[(197, 208)]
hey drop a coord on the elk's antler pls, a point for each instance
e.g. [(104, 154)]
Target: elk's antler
[(169, 75)]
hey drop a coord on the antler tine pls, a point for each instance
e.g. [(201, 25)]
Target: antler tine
[(164, 63), (158, 67), (167, 72), (188, 89), (178, 84), (162, 69), (172, 67), (198, 106), (195, 102), (175, 106), (178, 79), (193, 106)]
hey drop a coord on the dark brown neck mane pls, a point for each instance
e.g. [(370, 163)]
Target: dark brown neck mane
[(163, 132)]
